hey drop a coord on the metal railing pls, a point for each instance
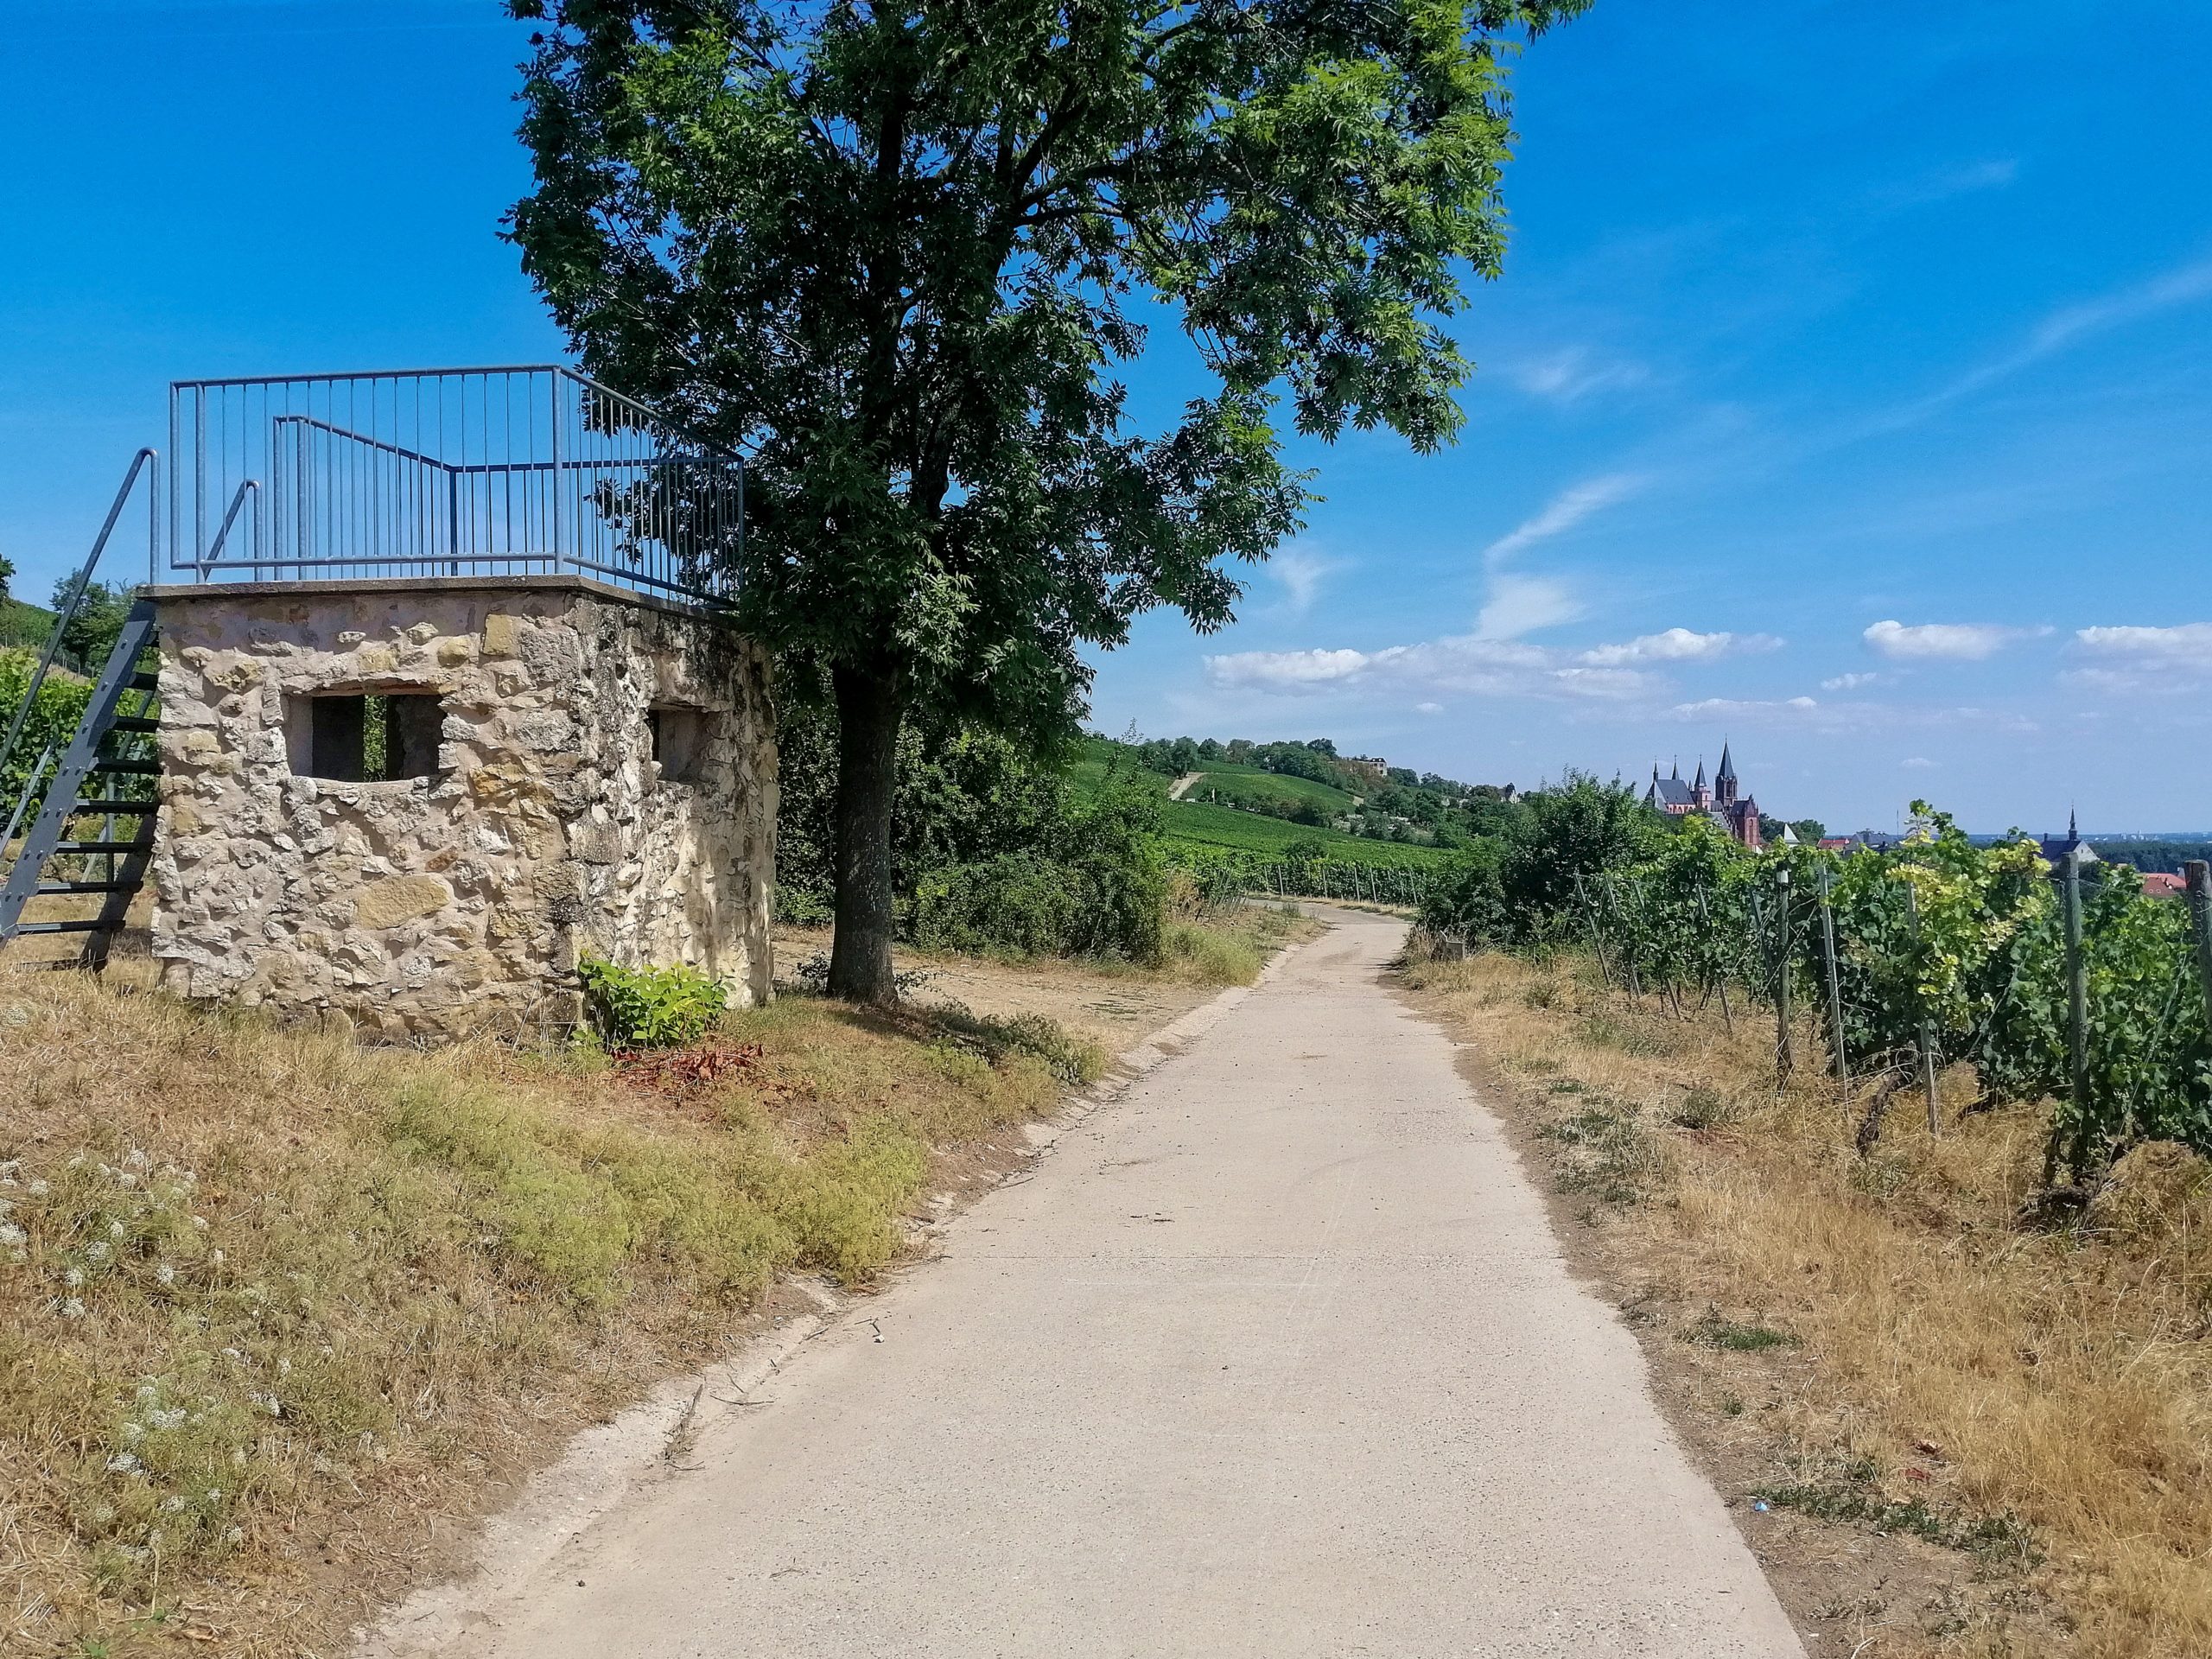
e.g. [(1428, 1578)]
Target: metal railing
[(528, 471)]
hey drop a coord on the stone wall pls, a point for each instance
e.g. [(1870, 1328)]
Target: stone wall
[(545, 830)]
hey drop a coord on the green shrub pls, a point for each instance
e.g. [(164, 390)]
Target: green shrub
[(1098, 889), (650, 1007)]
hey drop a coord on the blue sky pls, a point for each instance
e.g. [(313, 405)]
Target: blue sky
[(1848, 392)]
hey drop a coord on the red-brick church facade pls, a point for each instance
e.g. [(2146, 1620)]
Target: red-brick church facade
[(1740, 817)]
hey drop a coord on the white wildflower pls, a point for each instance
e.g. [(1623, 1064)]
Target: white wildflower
[(148, 1392), (127, 1178), (72, 1309), (74, 1278), (234, 1534), (97, 1250), (114, 1229), (123, 1464), (135, 1159), (172, 1418), (165, 1274), (216, 1256), (283, 1366), (214, 1494), (134, 1431), (76, 1160), (200, 1224), (12, 1235), (38, 1189), (173, 1505)]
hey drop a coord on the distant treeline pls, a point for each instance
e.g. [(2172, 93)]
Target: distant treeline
[(2152, 856)]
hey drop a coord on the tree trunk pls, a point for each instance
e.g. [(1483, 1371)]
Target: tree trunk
[(867, 748)]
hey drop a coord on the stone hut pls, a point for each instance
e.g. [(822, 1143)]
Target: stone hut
[(416, 803)]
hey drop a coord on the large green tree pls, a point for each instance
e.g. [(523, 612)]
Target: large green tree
[(897, 251)]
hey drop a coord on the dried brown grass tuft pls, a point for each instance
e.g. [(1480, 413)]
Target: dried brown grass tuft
[(1965, 1372), (272, 1307)]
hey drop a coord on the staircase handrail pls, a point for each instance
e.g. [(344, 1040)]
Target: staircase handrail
[(68, 611), (251, 486), (29, 794)]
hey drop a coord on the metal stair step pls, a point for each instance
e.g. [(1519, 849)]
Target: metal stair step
[(135, 769), (141, 846), (114, 809), (95, 926), (144, 682), (45, 887), (135, 723)]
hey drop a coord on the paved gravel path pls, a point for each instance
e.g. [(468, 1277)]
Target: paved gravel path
[(1275, 1358)]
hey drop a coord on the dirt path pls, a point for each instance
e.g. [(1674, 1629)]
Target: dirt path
[(1275, 1358), (1181, 786)]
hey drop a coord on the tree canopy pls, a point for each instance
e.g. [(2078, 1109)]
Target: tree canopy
[(897, 254)]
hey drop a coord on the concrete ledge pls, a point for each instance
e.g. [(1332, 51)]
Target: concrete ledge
[(558, 583)]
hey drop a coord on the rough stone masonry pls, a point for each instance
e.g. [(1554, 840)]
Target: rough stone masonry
[(416, 804)]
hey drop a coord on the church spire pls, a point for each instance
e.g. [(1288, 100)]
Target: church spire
[(1728, 772)]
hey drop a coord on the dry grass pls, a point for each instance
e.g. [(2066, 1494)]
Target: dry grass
[(2039, 1399), (1230, 945), (273, 1307)]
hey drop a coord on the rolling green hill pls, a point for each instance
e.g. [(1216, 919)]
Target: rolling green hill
[(1235, 785), (23, 625), (1224, 829)]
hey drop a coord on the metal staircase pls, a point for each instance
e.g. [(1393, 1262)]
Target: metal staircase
[(91, 805)]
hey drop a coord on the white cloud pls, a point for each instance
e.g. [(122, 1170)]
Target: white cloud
[(1850, 682), (1574, 372), (2061, 328), (1286, 670), (1812, 713), (1678, 646), (1514, 604), (2187, 645), (1428, 708), (1485, 665), (2143, 661), (1463, 665), (1721, 708), (1952, 642), (1563, 513), (1918, 763), (1947, 182), (1518, 605), (1300, 570)]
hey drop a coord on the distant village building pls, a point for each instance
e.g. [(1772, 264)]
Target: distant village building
[(2055, 847), (1740, 817)]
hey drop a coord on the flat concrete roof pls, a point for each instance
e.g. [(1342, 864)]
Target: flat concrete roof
[(562, 581)]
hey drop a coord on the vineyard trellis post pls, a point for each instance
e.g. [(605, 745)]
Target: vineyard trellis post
[(1597, 936), (1785, 1047), (1720, 973), (1835, 986), (2198, 874), (1927, 1025), (1628, 945), (2077, 1006)]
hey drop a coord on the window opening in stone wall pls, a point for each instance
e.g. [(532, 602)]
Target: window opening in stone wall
[(365, 737), (679, 742)]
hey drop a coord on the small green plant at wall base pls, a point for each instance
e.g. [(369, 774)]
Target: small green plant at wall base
[(650, 1007)]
